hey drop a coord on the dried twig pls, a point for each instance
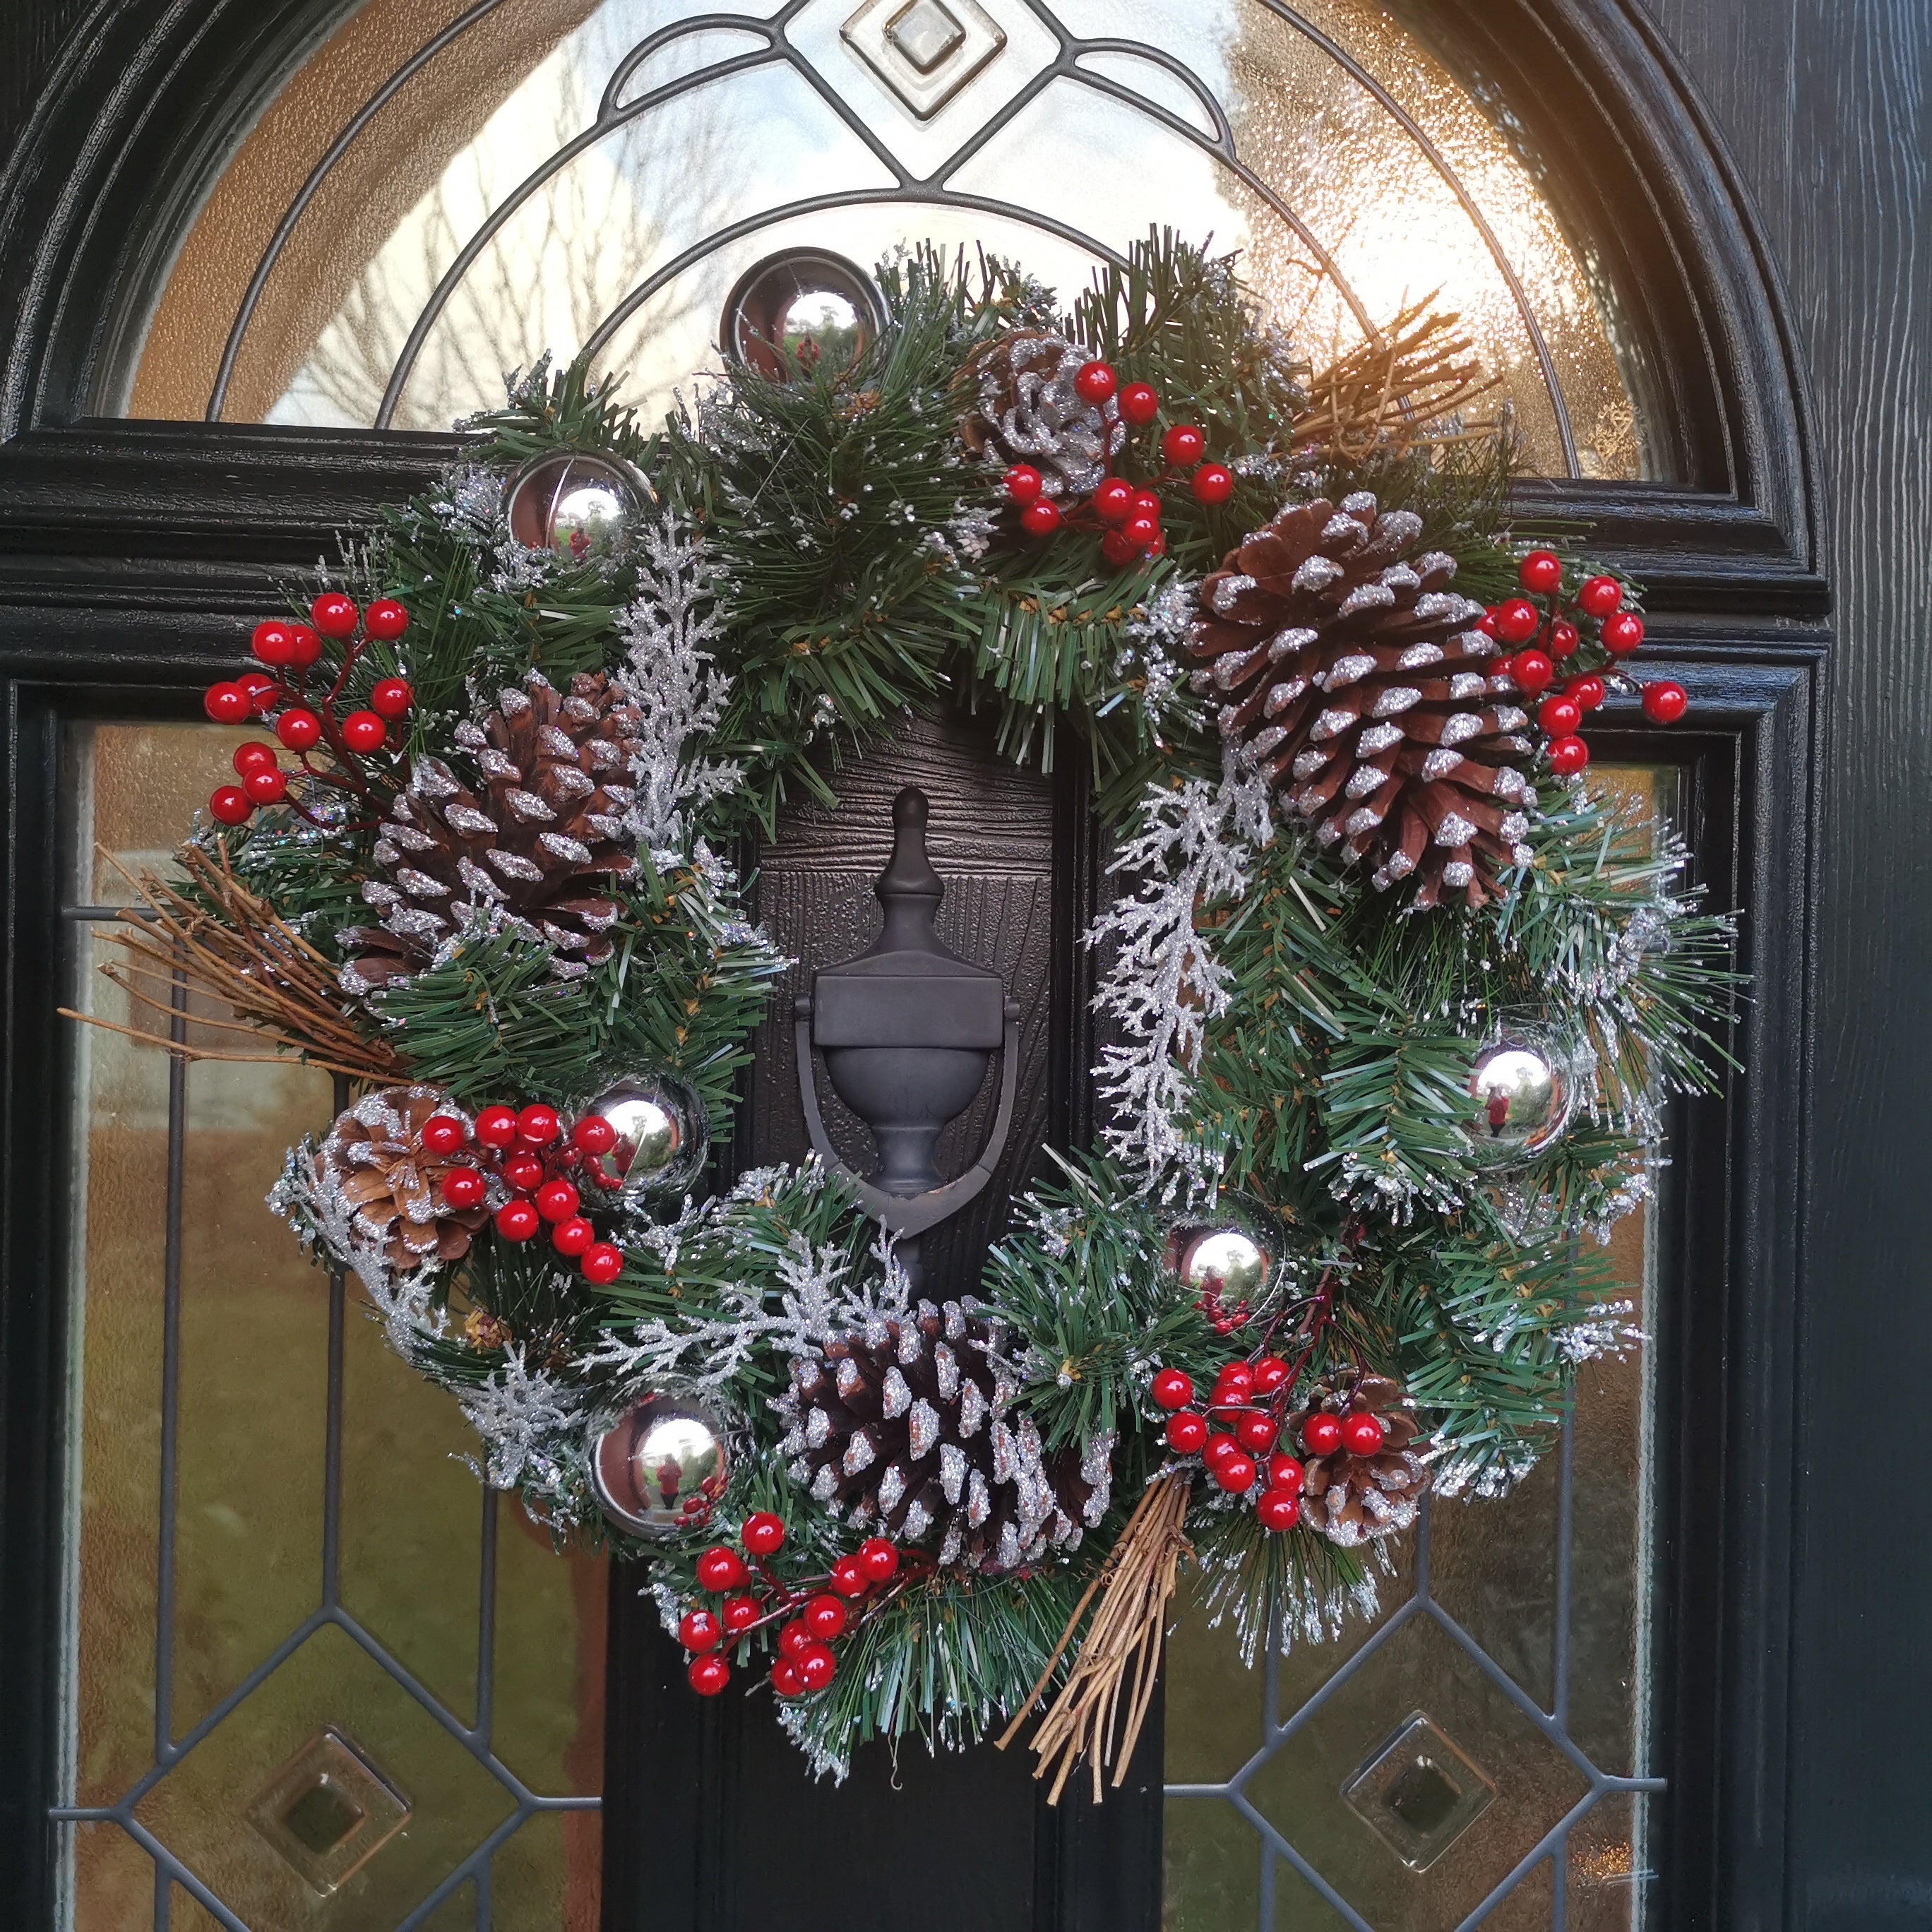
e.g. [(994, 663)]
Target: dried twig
[(1134, 1585), (221, 942)]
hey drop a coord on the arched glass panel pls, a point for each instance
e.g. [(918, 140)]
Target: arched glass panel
[(436, 195)]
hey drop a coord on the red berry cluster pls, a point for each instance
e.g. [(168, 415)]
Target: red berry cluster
[(529, 1152), (1128, 514), (1222, 1318), (1545, 629), (1237, 1439), (301, 720), (812, 1612)]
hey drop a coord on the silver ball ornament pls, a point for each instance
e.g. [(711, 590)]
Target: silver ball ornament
[(572, 502), (660, 1467), (1521, 1097), (1228, 1264), (664, 1133)]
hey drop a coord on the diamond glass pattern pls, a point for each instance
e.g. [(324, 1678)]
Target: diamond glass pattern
[(328, 1811), (925, 51), (925, 33), (1419, 1793)]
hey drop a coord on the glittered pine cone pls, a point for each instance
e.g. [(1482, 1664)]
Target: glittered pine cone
[(1331, 645), (545, 828), (1352, 1499), (373, 1158), (906, 1427), (1026, 410)]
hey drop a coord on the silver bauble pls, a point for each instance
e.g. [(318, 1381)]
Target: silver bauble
[(572, 503), (660, 1467), (663, 1133), (1521, 1097), (1228, 1257)]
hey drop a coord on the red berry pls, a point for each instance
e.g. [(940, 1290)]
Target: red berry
[(496, 1126), (1322, 1434), (462, 1187), (787, 1678), (537, 1125), (1040, 519), (386, 620), (1622, 632), (593, 1134), (1113, 500), (1186, 1433), (1024, 483), (1219, 1447), (1563, 639), (708, 1675), (273, 642), (1145, 504), (1172, 1390), (1486, 622), (556, 1200), (518, 1221), (1587, 692), (1517, 621), (794, 1638), (699, 1630), (229, 805), (824, 1617), (1237, 1376), (1558, 714), (523, 1170), (1663, 702), (719, 1569), (738, 1614), (601, 1263), (573, 1237), (252, 756), (391, 697), (1142, 532), (1213, 483), (1093, 382), (1118, 548), (1568, 756), (227, 703), (1235, 1473), (362, 732), (1269, 1372), (1182, 446), (334, 614), (1598, 596), (1540, 570), (1532, 672), (441, 1133), (763, 1533), (299, 730), (817, 1666), (261, 691), (849, 1578), (304, 647), (1138, 404), (1278, 1510), (1362, 1434), (878, 1557), (1285, 1473), (1256, 1432)]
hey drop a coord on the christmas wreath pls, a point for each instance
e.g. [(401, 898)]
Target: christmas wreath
[(1392, 999)]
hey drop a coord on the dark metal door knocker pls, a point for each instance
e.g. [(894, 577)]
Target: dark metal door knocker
[(908, 1028)]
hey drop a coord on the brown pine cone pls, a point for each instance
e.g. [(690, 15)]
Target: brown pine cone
[(1351, 1498), (374, 1159), (1354, 674), (550, 822), (904, 1427), (1027, 411)]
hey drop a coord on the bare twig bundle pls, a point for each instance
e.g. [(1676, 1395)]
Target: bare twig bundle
[(220, 943), (1089, 1718), (1398, 390)]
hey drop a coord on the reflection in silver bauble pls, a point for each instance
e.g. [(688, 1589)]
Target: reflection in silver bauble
[(1521, 1096), (572, 502), (661, 1469), (663, 1132), (1229, 1259)]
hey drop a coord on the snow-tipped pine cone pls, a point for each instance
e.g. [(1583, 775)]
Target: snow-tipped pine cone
[(1351, 1498), (1334, 649), (906, 1426), (374, 1158), (1025, 410)]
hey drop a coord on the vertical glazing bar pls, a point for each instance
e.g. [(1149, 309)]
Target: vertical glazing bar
[(164, 1886), (1559, 1872), (332, 1450), (1559, 1661), (486, 1620), (164, 1535)]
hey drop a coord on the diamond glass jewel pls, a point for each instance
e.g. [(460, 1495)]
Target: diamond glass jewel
[(924, 32), (328, 1811), (925, 51), (1418, 1793)]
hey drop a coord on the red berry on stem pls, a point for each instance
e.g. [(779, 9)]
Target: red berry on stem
[(787, 1678), (573, 1237), (1285, 1473), (304, 647), (523, 1170), (1213, 483), (708, 1674), (442, 1133), (1093, 382), (1663, 702), (1598, 596), (229, 805), (273, 641), (699, 1630), (299, 730), (1219, 1447), (227, 703), (1622, 632), (518, 1221), (462, 1187), (1145, 504), (556, 1200), (817, 1666), (265, 785), (1114, 500), (1170, 1389), (794, 1638), (334, 614), (391, 697), (1118, 548), (719, 1569), (849, 1578), (1040, 519), (496, 1126), (1558, 716), (251, 757), (537, 1125), (601, 1263), (1486, 622), (738, 1614), (1182, 446), (1532, 672), (1271, 1372), (763, 1533), (825, 1617), (1568, 756), (362, 732), (1361, 1435), (1234, 1473), (386, 620), (1517, 621), (1587, 692), (1256, 1432), (878, 1557), (1278, 1510), (1541, 571), (1563, 639), (1139, 403), (593, 1134), (1024, 483), (1143, 533), (1322, 1434), (261, 692), (1186, 1433), (1237, 1376)]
